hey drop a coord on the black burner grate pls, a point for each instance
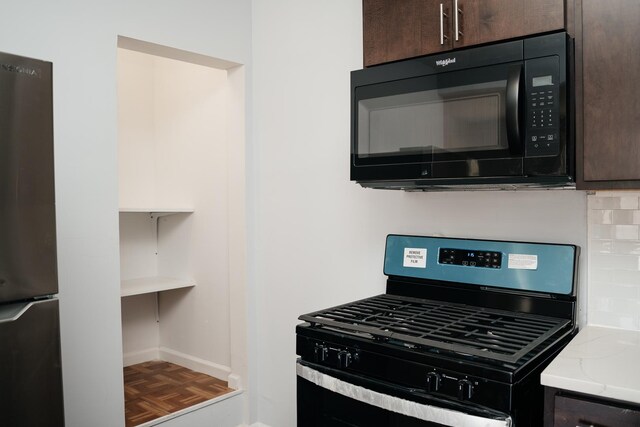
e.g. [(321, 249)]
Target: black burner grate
[(493, 334)]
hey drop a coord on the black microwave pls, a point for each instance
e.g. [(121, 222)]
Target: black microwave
[(491, 117)]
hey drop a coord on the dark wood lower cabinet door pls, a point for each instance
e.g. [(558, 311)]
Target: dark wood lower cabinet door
[(611, 63), (576, 412)]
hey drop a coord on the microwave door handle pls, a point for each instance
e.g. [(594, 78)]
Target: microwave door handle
[(513, 115)]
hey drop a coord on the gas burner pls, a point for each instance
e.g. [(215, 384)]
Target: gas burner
[(478, 331)]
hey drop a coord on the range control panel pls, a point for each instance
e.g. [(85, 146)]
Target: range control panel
[(461, 387), (543, 107), (470, 258), (338, 357), (520, 266), (403, 373)]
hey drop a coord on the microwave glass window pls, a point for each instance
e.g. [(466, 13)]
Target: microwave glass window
[(453, 120)]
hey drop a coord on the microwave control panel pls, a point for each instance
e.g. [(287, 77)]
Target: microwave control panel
[(543, 107)]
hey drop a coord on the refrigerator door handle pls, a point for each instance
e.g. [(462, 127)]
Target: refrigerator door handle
[(12, 312)]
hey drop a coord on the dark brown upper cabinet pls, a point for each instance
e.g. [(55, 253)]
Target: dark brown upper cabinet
[(609, 128), (484, 21), (401, 29)]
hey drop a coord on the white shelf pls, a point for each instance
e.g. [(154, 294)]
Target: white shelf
[(157, 211), (148, 285)]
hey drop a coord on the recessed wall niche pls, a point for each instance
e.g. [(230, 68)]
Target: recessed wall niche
[(180, 151)]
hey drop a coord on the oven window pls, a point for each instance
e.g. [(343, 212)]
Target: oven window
[(461, 120)]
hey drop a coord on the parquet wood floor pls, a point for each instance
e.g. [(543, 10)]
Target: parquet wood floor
[(155, 389)]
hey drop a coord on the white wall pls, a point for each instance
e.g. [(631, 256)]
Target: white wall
[(80, 39), (192, 119), (320, 238)]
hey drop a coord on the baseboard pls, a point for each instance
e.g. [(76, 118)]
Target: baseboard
[(168, 355), (258, 425), (234, 381), (145, 355), (219, 371)]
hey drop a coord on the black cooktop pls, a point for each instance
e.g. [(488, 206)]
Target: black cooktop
[(468, 330)]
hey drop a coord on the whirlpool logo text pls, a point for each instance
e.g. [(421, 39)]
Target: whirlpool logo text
[(445, 62)]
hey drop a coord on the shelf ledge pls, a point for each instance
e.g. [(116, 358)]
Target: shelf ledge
[(157, 211), (148, 285)]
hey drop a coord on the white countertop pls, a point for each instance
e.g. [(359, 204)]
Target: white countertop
[(599, 361)]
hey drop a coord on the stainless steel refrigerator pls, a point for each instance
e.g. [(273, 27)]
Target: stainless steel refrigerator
[(30, 368)]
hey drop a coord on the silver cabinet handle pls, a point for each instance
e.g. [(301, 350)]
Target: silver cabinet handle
[(443, 15), (441, 25), (455, 8)]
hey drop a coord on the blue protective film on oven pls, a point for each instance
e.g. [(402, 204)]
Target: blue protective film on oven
[(537, 267)]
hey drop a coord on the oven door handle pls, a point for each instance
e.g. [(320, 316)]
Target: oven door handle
[(514, 109), (343, 382)]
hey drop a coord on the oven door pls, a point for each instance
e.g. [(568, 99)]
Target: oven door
[(331, 398), (458, 124)]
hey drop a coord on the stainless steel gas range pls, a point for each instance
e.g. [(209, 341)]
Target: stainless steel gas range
[(458, 339)]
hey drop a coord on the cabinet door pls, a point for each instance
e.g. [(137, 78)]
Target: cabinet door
[(483, 21), (399, 29), (576, 412), (611, 97)]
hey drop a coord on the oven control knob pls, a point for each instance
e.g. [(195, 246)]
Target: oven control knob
[(433, 381), (320, 353), (344, 359), (465, 389)]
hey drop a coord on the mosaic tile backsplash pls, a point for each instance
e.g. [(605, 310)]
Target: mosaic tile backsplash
[(614, 259)]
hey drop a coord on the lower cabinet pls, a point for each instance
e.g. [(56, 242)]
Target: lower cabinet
[(564, 409)]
